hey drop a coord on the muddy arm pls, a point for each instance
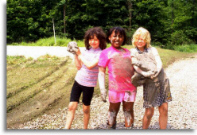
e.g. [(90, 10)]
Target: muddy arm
[(101, 78), (142, 64), (135, 62), (158, 61), (144, 73)]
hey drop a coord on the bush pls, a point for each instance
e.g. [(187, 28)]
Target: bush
[(179, 38), (60, 41), (186, 48)]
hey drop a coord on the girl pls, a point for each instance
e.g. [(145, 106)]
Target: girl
[(121, 90), (86, 77), (156, 89)]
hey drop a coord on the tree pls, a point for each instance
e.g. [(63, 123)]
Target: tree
[(170, 22)]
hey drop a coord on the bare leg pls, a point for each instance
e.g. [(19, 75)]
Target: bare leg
[(147, 117), (71, 113), (86, 113), (113, 111), (128, 113), (163, 115)]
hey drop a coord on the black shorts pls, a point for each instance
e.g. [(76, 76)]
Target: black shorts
[(77, 89)]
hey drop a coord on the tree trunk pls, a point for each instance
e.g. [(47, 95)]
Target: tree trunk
[(54, 30)]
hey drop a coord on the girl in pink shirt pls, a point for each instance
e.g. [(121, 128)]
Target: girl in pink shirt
[(86, 77), (120, 69)]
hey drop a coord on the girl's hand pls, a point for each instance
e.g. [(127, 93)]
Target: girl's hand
[(77, 51), (148, 74), (72, 47), (155, 75), (103, 94)]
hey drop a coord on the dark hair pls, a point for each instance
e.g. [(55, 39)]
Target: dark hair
[(117, 30), (99, 33)]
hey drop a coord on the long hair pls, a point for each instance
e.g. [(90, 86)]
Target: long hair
[(99, 33)]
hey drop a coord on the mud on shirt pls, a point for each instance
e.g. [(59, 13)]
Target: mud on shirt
[(120, 69)]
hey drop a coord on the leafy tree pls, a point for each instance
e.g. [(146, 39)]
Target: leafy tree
[(170, 22)]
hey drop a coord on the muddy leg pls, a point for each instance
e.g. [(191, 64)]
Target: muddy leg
[(113, 111), (71, 113), (128, 113)]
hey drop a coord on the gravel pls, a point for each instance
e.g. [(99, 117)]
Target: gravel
[(182, 110)]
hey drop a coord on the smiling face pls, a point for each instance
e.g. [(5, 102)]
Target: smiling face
[(140, 43), (116, 39), (94, 42), (141, 39)]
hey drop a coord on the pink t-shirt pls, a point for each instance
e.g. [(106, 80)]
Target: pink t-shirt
[(88, 77), (120, 68)]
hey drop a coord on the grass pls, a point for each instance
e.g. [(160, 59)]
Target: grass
[(51, 42), (34, 86), (29, 73), (186, 48)]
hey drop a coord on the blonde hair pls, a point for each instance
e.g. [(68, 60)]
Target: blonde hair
[(145, 35)]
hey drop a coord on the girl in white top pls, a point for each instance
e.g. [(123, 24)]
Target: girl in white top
[(87, 75)]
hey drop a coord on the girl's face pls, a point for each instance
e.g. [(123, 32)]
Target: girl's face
[(116, 39), (140, 43), (94, 42)]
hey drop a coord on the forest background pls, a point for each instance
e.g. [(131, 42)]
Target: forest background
[(170, 22)]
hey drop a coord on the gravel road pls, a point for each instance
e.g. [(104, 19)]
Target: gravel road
[(182, 110)]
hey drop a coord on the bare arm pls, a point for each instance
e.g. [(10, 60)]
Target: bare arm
[(101, 78), (77, 62), (88, 64)]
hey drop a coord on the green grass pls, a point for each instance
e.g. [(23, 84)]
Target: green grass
[(14, 60), (186, 48), (51, 42)]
